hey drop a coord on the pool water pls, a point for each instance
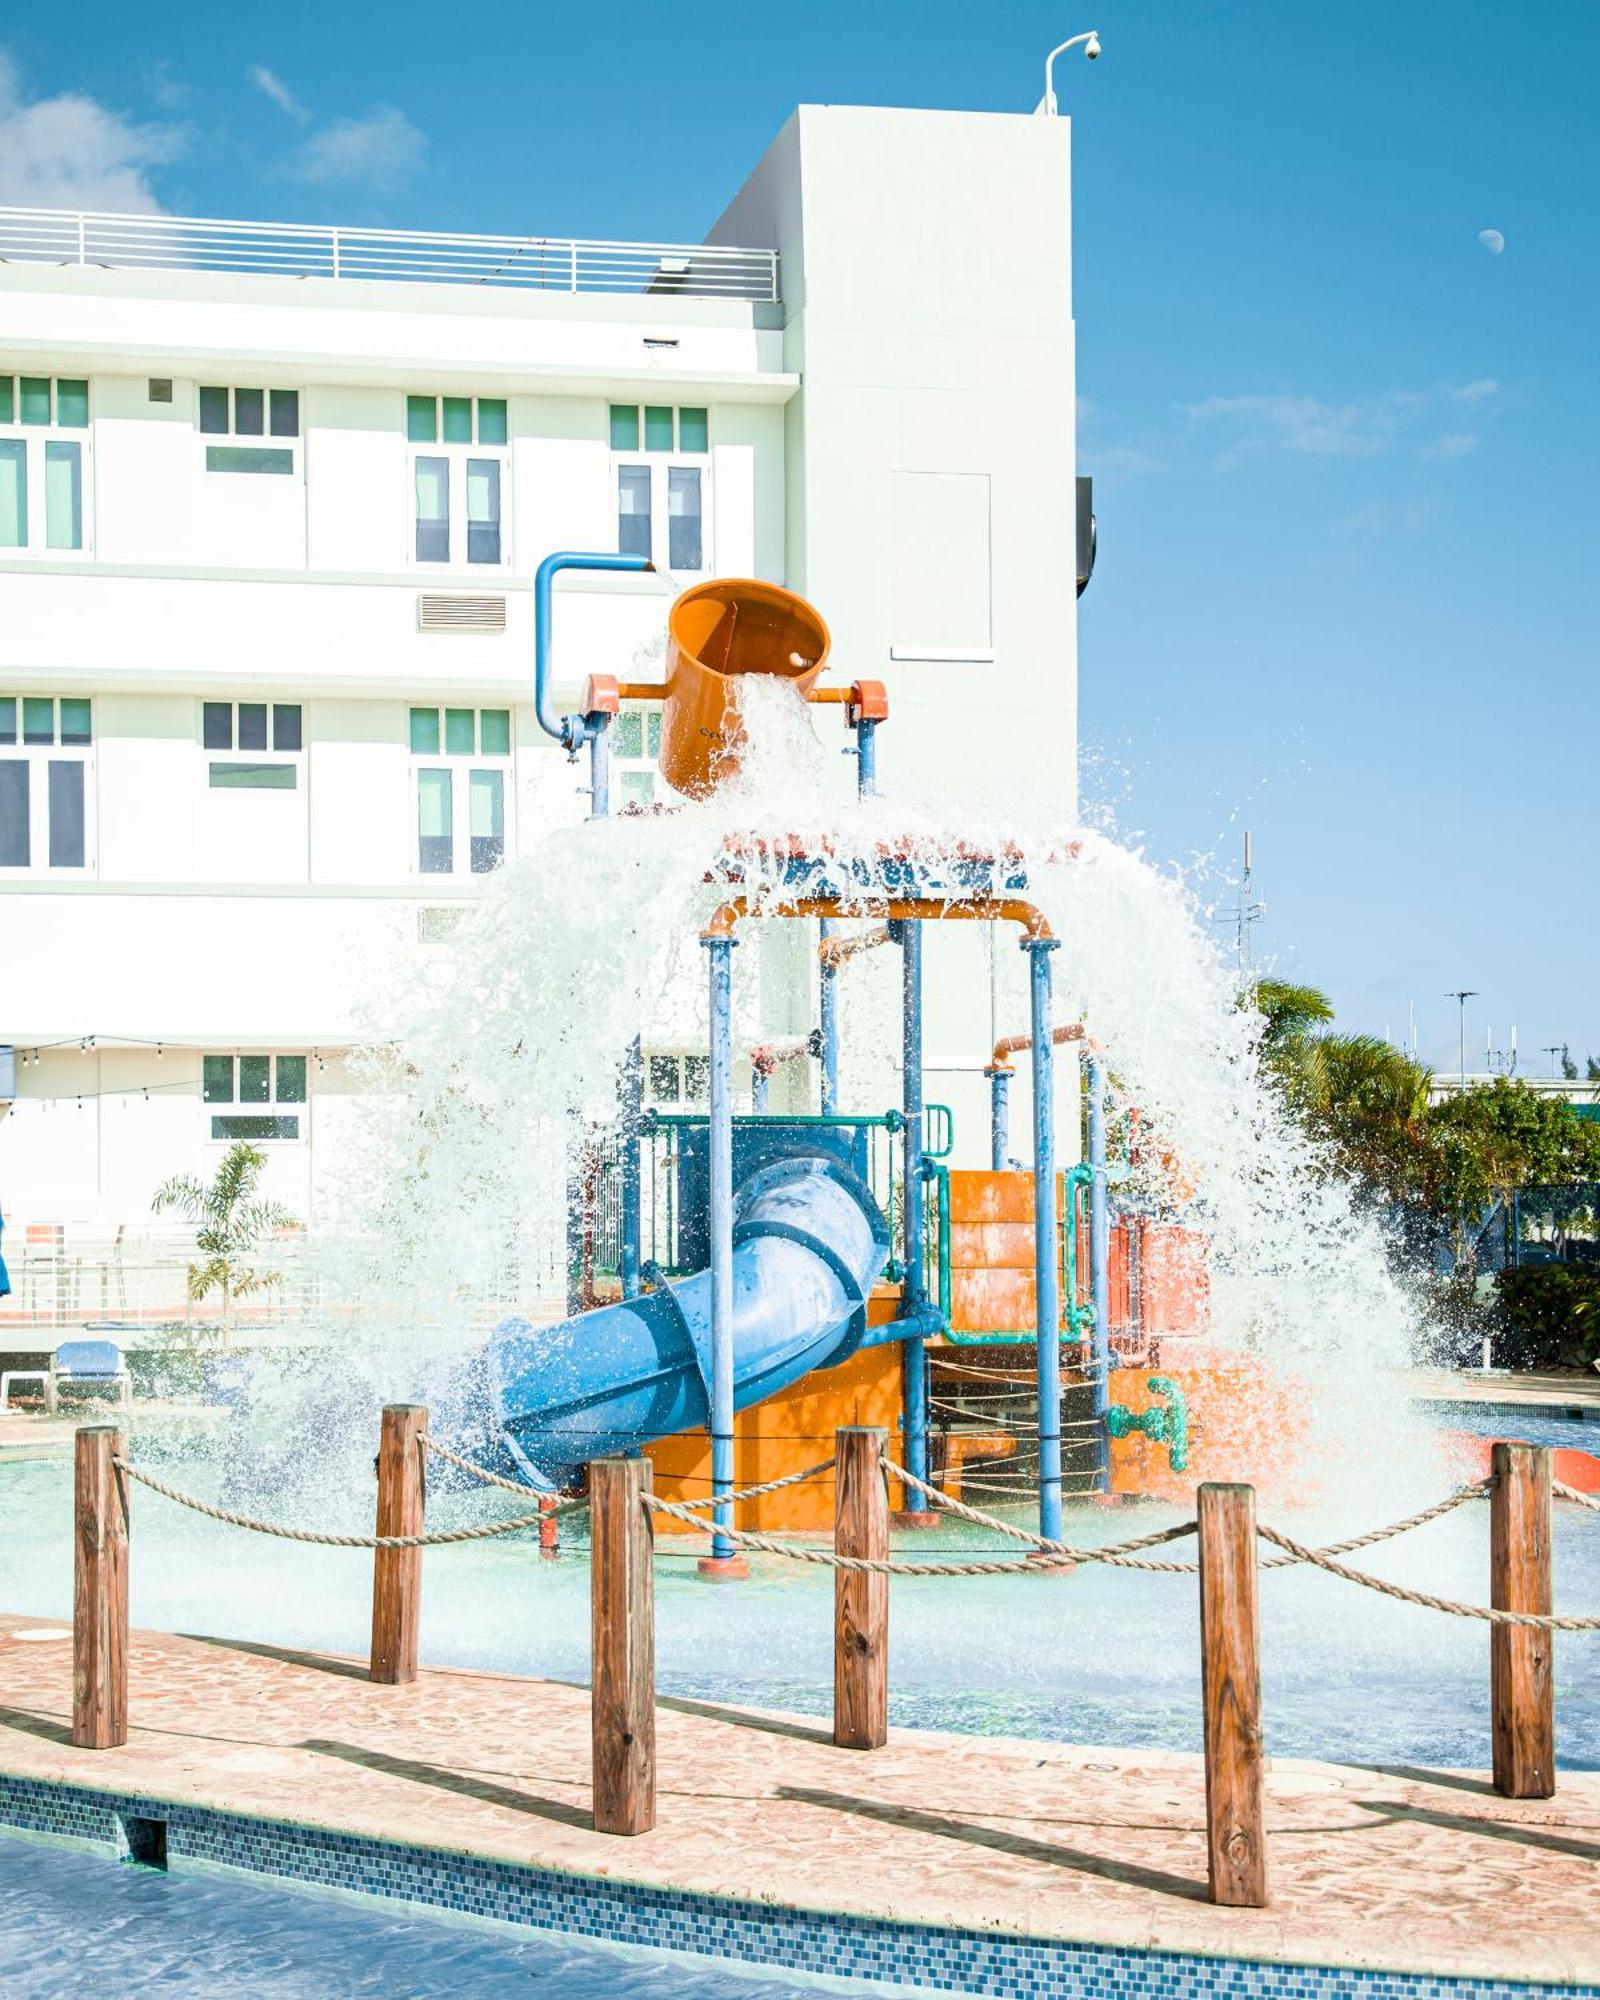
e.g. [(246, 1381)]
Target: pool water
[(1100, 1656), (78, 1923)]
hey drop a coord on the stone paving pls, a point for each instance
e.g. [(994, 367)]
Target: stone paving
[(1392, 1868)]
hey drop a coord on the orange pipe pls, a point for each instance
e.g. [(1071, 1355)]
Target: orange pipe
[(898, 909), (1011, 1045), (834, 951)]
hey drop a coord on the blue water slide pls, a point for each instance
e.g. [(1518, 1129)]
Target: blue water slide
[(809, 1240)]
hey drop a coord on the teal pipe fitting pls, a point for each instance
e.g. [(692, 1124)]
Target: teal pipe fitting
[(1080, 1318), (1167, 1424)]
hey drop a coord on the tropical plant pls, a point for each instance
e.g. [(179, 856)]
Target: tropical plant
[(1447, 1162), (1550, 1315), (230, 1224)]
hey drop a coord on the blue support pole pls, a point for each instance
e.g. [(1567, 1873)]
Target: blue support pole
[(828, 1022), (598, 729), (1099, 1270), (632, 1205), (999, 1118), (1046, 1255), (915, 1294), (721, 1234), (866, 760)]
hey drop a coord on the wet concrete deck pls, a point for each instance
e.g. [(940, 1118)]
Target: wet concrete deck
[(1398, 1869)]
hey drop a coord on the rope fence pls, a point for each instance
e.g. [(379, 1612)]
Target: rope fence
[(441, 1538), (623, 1508)]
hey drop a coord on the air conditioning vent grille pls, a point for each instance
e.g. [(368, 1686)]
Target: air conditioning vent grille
[(458, 613)]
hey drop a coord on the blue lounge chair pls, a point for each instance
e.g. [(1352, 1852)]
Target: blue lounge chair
[(88, 1364)]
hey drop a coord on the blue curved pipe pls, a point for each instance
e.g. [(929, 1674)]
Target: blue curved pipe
[(809, 1240), (568, 730)]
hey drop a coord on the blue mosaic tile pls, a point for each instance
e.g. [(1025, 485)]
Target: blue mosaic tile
[(752, 1933)]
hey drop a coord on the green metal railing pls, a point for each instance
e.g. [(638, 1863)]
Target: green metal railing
[(660, 1220), (1078, 1313)]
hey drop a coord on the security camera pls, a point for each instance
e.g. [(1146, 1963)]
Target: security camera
[(1092, 48)]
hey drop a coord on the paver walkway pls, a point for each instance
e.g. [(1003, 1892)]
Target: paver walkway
[(1392, 1868)]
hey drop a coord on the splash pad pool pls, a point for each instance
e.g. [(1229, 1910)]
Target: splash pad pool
[(782, 1274)]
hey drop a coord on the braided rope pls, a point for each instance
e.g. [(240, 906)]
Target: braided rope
[(767, 1486), (553, 1503), (1545, 1621), (1120, 1554), (1447, 1505), (1564, 1492), (440, 1540), (827, 1559), (564, 1505)]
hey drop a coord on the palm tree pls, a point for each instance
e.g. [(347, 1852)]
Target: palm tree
[(230, 1225), (1371, 1101)]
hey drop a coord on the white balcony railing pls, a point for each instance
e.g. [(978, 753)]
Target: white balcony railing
[(304, 250)]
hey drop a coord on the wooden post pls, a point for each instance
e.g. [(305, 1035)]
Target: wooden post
[(622, 1698), (860, 1597), (397, 1573), (99, 1591), (1521, 1657), (1230, 1666), (549, 1527)]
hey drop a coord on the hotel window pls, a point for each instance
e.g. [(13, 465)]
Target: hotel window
[(677, 1082), (462, 761), (269, 738), (43, 475), (250, 413), (248, 1095), (459, 473), (635, 748), (661, 456), (45, 794)]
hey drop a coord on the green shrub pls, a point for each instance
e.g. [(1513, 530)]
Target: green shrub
[(1550, 1315)]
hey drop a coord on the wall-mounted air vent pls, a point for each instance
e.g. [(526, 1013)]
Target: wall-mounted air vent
[(460, 614), (161, 388)]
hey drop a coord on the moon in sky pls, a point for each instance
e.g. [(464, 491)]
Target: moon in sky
[(1492, 241)]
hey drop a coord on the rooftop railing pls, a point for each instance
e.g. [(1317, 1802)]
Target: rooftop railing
[(409, 256)]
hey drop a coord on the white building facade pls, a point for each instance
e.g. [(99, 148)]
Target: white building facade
[(271, 503)]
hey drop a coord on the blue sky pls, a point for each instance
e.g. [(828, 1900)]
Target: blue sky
[(1345, 455)]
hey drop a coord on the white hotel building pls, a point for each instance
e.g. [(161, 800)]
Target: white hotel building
[(271, 502)]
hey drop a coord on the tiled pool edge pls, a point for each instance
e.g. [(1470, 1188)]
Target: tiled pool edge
[(1003, 1966)]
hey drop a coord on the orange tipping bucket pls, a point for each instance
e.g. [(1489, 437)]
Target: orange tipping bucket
[(717, 633)]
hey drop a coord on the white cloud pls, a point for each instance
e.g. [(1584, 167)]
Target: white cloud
[(1301, 424), (155, 73), (383, 150), (280, 93), (1383, 520), (1365, 427), (71, 152)]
